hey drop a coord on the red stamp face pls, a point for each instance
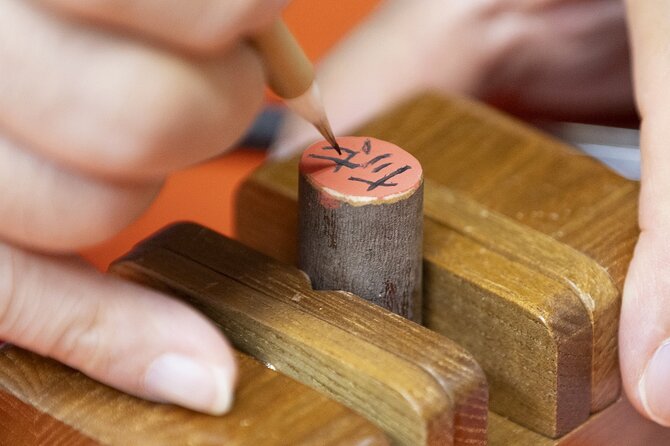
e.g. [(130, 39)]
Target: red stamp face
[(367, 168)]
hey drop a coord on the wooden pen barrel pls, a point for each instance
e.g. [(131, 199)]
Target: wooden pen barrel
[(360, 222)]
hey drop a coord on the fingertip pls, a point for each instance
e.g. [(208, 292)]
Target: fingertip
[(226, 382), (654, 386), (644, 334), (192, 383)]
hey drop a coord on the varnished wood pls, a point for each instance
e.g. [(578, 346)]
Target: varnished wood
[(45, 403), (617, 425), (538, 304), (544, 185), (419, 386), (23, 424)]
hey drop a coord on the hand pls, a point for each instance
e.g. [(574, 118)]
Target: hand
[(644, 333), (544, 58), (99, 102)]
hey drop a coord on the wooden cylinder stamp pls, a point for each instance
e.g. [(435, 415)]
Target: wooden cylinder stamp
[(361, 222)]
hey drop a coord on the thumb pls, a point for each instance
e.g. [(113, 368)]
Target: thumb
[(644, 332), (126, 336)]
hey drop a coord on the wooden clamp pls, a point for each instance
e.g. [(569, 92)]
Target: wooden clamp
[(420, 387), (525, 249), (417, 386), (46, 403)]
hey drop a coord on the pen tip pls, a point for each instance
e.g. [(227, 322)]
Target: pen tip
[(337, 147), (326, 131)]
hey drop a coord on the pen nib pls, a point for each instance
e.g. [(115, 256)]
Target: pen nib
[(324, 128)]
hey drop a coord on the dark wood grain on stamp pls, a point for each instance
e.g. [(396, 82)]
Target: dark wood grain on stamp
[(23, 424)]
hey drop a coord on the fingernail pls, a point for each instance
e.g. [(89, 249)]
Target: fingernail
[(180, 380), (654, 387)]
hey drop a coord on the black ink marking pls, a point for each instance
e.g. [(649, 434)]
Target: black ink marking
[(377, 169), (339, 163), (343, 149), (372, 185), (349, 164), (367, 146), (378, 158)]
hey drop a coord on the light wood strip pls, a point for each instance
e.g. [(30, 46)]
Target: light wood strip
[(586, 278), (420, 387), (529, 332), (617, 425), (270, 409)]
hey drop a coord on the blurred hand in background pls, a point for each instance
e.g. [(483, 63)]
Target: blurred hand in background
[(550, 58)]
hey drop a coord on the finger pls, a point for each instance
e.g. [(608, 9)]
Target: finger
[(360, 77), (46, 207), (644, 331), (116, 107), (205, 26), (562, 67), (124, 335), (644, 334)]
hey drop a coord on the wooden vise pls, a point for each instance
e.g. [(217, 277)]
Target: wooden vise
[(526, 245)]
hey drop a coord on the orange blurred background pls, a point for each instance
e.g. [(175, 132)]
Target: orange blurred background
[(206, 193)]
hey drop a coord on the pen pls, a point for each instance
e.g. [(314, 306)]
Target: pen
[(290, 75)]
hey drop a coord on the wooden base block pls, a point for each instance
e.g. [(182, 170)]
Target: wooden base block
[(617, 425), (45, 403)]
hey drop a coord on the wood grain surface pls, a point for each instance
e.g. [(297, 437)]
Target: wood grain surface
[(23, 424), (542, 184), (45, 403), (417, 385), (617, 425), (526, 245)]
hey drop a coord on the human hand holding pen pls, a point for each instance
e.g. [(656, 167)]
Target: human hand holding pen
[(99, 101)]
